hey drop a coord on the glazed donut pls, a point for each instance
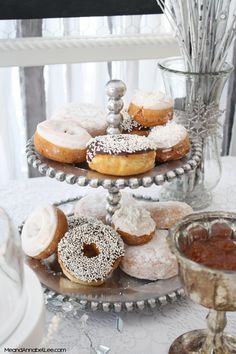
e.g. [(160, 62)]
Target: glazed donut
[(89, 116), (42, 231), (121, 154), (90, 252), (172, 142), (63, 141), (151, 108), (134, 225), (151, 261), (131, 126)]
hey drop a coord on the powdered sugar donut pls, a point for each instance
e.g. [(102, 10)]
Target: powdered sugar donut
[(42, 231), (89, 252), (89, 116), (94, 204), (135, 225), (63, 141), (151, 261), (151, 108), (166, 214), (121, 154), (172, 142)]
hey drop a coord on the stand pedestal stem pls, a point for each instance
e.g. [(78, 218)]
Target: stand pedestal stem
[(113, 203), (214, 343)]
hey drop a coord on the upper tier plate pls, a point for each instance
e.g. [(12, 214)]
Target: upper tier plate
[(82, 175)]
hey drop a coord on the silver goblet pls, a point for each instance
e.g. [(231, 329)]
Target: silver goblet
[(212, 288)]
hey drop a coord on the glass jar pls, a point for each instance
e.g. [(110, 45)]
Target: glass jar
[(197, 106), (12, 294)]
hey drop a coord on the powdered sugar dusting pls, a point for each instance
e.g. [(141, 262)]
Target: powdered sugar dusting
[(118, 144), (168, 135), (107, 241), (151, 261)]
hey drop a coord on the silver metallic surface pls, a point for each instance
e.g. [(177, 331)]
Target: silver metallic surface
[(113, 203), (120, 292), (83, 176), (212, 288), (115, 89)]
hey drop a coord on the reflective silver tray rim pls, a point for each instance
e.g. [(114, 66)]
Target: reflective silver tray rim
[(83, 176)]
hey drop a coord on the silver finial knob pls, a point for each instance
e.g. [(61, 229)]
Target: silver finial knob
[(115, 90)]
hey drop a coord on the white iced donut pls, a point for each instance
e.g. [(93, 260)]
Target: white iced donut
[(42, 231), (63, 141), (172, 141), (135, 225), (89, 116), (151, 261), (151, 108)]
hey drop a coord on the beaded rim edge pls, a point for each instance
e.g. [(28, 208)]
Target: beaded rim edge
[(83, 304), (133, 182)]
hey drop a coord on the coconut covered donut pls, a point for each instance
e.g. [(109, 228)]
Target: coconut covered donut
[(131, 126), (172, 142), (121, 154), (42, 231), (63, 141), (135, 225), (151, 261), (151, 108), (89, 252), (89, 116)]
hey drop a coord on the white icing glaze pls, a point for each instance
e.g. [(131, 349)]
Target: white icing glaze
[(133, 220), (167, 136), (152, 100), (39, 230), (89, 116), (68, 133), (152, 260)]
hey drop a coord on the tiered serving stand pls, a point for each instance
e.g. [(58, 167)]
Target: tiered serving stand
[(120, 292)]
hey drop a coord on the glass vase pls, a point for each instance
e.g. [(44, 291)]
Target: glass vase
[(197, 106), (13, 298)]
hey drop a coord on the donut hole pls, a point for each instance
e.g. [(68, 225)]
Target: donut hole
[(90, 250)]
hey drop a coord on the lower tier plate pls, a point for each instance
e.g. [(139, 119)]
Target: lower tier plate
[(119, 292)]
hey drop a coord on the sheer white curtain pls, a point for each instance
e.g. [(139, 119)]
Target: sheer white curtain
[(84, 82)]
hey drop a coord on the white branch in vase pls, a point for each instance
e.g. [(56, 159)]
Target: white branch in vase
[(205, 30)]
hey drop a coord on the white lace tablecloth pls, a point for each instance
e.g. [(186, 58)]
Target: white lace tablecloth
[(149, 332)]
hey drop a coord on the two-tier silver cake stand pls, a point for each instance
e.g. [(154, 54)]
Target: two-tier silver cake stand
[(120, 292)]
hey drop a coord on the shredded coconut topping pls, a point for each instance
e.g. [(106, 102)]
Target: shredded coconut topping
[(133, 220), (129, 124), (118, 144), (168, 135), (107, 241)]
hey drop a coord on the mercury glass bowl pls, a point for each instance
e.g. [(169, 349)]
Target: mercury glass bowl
[(12, 290), (212, 288)]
